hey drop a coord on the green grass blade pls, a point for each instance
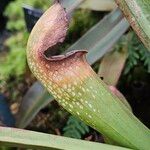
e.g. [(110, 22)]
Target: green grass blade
[(30, 139), (107, 43), (102, 37), (35, 99)]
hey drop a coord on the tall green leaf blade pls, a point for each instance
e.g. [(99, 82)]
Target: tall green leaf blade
[(30, 139), (102, 37), (35, 99), (98, 31), (138, 14), (106, 44)]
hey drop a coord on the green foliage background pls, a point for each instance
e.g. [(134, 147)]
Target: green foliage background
[(15, 14)]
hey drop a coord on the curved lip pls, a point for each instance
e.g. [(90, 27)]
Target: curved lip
[(64, 56)]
